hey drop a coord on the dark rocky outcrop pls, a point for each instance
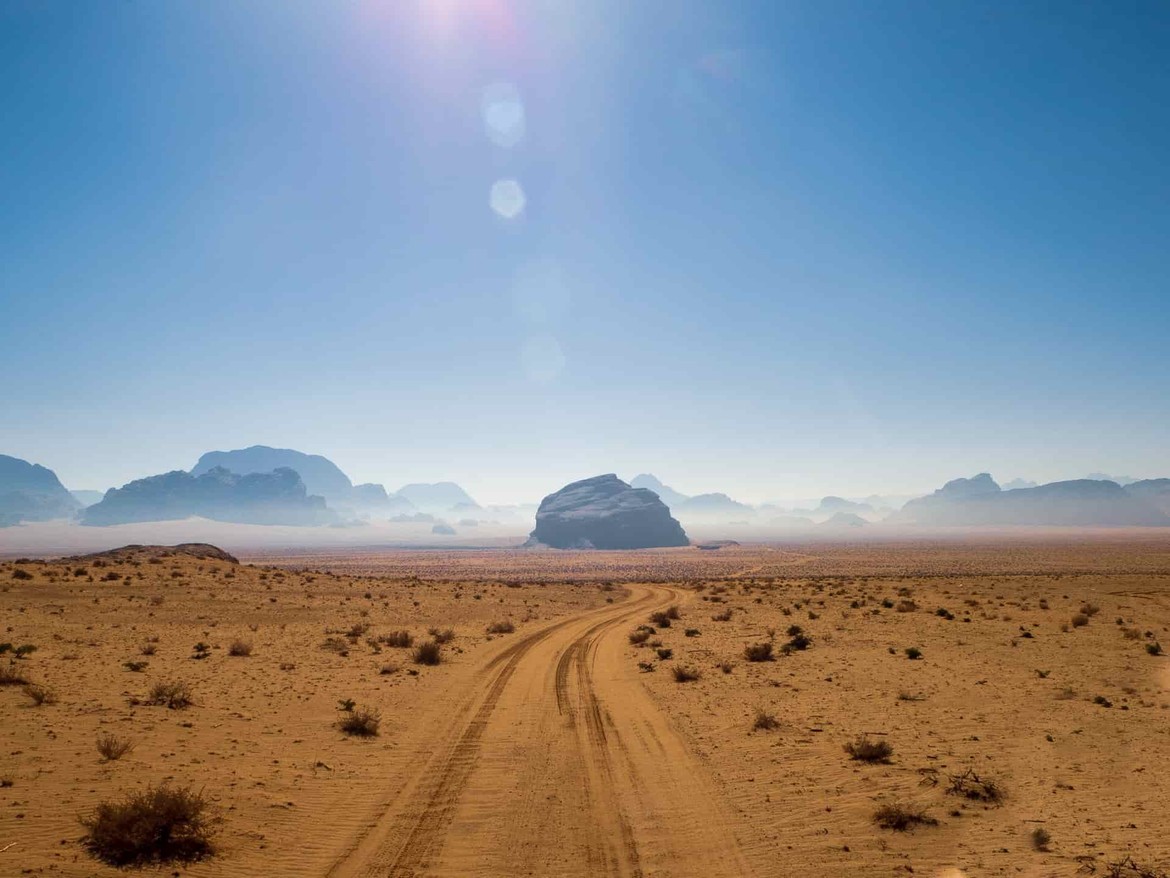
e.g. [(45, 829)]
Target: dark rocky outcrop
[(605, 513), (1081, 502), (278, 497), (31, 492), (320, 475), (202, 551)]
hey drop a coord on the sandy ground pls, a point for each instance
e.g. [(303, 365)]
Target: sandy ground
[(565, 749)]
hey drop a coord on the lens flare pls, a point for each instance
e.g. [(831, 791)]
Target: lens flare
[(503, 114), (507, 198)]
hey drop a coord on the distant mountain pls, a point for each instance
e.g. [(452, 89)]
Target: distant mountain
[(979, 501), (1018, 483), (834, 505), (370, 498), (712, 507), (31, 492), (436, 497), (666, 494), (319, 474), (88, 498), (605, 513), (1153, 491), (1104, 477), (844, 519), (278, 497)]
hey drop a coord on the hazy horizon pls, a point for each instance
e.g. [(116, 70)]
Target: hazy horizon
[(777, 251)]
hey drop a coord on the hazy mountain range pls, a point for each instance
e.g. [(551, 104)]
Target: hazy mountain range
[(264, 485)]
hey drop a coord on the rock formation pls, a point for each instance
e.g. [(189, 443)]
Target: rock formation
[(666, 494), (437, 497), (320, 475), (31, 492), (605, 513), (278, 497)]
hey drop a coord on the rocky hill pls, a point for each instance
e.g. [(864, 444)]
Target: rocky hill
[(278, 497), (605, 513), (31, 492), (320, 475)]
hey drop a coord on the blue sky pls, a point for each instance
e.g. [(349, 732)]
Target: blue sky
[(772, 249)]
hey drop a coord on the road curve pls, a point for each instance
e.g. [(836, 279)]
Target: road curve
[(553, 761)]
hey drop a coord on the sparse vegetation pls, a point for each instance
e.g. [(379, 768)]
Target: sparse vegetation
[(427, 653), (40, 694), (863, 749), (361, 722), (759, 652), (901, 816), (974, 786), (764, 721), (397, 639), (913, 653), (503, 626), (158, 825), (640, 635), (112, 748), (685, 673), (240, 648), (11, 675), (173, 694), (1040, 838)]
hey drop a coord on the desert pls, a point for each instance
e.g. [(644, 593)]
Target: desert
[(661, 712)]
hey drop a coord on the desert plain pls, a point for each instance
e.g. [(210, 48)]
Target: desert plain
[(978, 705)]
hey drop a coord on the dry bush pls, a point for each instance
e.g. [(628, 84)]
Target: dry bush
[(758, 652), (685, 674), (173, 694), (362, 722), (660, 619), (1154, 648), (21, 574), (427, 653), (906, 607), (398, 639), (240, 648), (388, 669), (1090, 609), (112, 748), (765, 721), (1080, 620), (864, 750), (972, 786), (901, 816), (161, 824), (725, 616), (444, 636), (149, 649), (672, 612), (1128, 867), (502, 627), (640, 635), (800, 641), (1040, 838), (40, 694), (338, 645), (664, 652), (11, 676)]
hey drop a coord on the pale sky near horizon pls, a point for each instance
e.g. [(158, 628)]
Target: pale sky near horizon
[(773, 249)]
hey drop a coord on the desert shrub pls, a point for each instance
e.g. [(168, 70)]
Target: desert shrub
[(240, 648), (672, 612), (913, 653), (691, 632), (906, 607), (1041, 838), (972, 786), (660, 619), (346, 704), (645, 667), (19, 573), (864, 750), (427, 653), (24, 650), (172, 694), (758, 652), (1090, 609), (765, 721), (944, 613), (1080, 620), (504, 626), (12, 676), (725, 667), (201, 651), (362, 722), (685, 674), (398, 639), (135, 666), (40, 694), (640, 635), (161, 824), (724, 616), (1102, 701), (357, 630), (338, 645), (388, 669), (800, 642), (149, 649), (112, 748), (664, 652), (1154, 648), (444, 636), (901, 816)]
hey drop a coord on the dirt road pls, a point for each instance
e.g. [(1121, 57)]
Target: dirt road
[(551, 759)]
